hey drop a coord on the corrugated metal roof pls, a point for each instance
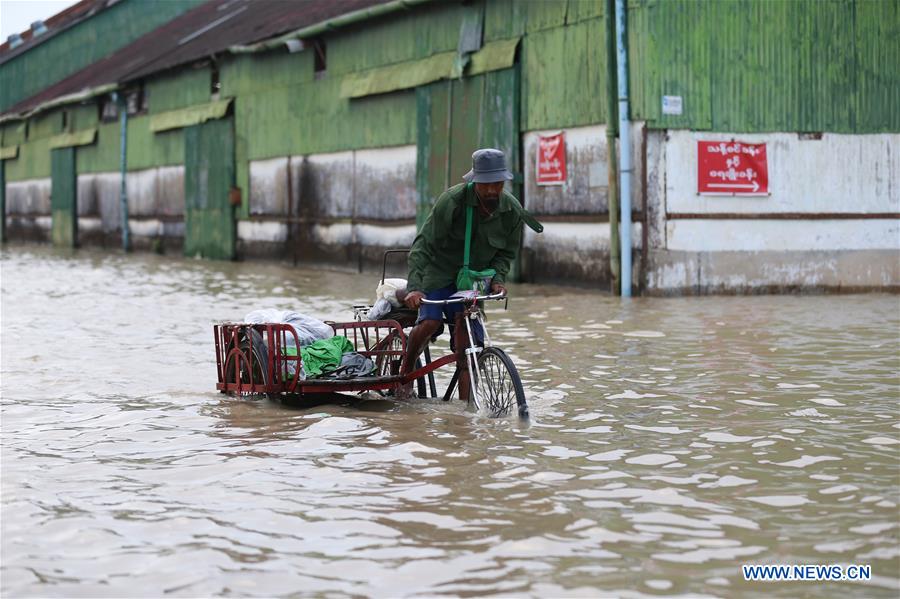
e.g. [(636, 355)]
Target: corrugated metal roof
[(197, 34)]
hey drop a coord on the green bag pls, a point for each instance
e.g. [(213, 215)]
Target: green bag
[(468, 279)]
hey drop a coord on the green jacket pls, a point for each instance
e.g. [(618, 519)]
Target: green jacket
[(437, 252)]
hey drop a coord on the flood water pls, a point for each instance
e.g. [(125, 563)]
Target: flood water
[(671, 441)]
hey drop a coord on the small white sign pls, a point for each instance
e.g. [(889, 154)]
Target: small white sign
[(672, 105)]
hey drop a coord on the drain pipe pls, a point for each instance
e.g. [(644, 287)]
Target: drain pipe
[(625, 167), (612, 132), (119, 99)]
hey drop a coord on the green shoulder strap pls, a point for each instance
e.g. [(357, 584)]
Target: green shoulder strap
[(468, 226)]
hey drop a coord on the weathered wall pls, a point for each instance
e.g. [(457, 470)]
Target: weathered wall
[(298, 115), (328, 206), (830, 221), (586, 187), (847, 174), (155, 205), (28, 198), (678, 272), (573, 253), (369, 184), (575, 244), (28, 209)]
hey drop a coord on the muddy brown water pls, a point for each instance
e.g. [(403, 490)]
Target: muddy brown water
[(671, 441)]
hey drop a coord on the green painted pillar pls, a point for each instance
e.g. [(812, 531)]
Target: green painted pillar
[(209, 175), (63, 190)]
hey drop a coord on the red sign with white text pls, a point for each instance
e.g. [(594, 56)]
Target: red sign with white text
[(732, 168), (551, 159)]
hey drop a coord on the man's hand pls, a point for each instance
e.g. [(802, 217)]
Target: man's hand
[(414, 299), (498, 288)]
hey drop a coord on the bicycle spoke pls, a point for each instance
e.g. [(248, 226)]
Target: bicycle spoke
[(495, 385)]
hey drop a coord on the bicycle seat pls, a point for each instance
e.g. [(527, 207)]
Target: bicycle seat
[(405, 316)]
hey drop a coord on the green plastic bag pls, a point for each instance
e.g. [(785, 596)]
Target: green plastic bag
[(478, 280)]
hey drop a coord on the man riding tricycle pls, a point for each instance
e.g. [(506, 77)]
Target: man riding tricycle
[(459, 260)]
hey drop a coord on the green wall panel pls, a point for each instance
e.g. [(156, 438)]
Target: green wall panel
[(877, 42), (144, 150), (33, 161), (82, 45), (564, 76), (103, 155), (580, 10), (208, 177), (46, 124), (407, 36), (83, 116), (826, 76), (685, 71), (545, 15), (757, 66), (504, 19), (249, 74), (179, 89), (312, 118), (147, 149), (13, 133)]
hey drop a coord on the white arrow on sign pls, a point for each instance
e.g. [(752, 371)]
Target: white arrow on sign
[(754, 186)]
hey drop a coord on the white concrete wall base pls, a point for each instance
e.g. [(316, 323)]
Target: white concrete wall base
[(28, 197), (678, 272), (269, 232)]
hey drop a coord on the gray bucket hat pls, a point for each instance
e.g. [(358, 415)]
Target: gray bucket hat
[(488, 166)]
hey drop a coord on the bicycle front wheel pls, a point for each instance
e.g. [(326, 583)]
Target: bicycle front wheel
[(498, 384)]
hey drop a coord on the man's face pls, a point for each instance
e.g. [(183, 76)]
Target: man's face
[(489, 195)]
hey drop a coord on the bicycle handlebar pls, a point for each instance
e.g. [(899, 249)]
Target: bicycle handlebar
[(461, 300)]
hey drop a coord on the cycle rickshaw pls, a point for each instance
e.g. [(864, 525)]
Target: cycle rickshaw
[(255, 359)]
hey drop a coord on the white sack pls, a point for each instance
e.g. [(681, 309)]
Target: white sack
[(308, 329), (388, 290)]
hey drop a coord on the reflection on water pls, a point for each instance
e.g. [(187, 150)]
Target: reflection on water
[(671, 441)]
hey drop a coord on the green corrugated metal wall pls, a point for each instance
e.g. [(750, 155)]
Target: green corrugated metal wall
[(208, 177), (407, 36), (145, 148), (2, 201), (757, 66), (877, 43), (564, 75), (178, 89), (83, 44), (63, 198), (33, 161)]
